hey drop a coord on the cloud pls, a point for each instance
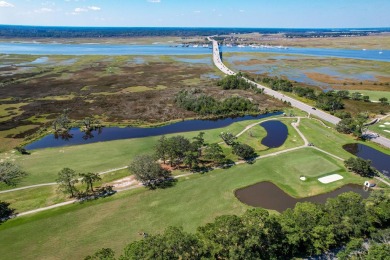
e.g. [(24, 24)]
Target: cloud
[(154, 1), (6, 4), (43, 10), (86, 9), (80, 10), (94, 8)]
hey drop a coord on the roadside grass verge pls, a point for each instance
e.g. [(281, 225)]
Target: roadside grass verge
[(195, 200)]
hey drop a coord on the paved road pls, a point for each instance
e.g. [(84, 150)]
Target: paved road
[(295, 103)]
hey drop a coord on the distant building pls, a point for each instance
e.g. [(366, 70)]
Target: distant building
[(369, 184)]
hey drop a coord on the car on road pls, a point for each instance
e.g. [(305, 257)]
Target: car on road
[(314, 108)]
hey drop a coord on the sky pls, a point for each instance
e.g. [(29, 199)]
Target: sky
[(198, 13)]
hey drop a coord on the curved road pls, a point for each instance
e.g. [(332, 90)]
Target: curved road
[(295, 103)]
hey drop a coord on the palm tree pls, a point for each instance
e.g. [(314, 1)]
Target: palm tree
[(89, 178)]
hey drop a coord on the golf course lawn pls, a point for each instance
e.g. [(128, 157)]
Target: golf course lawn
[(44, 164), (75, 231), (330, 140), (254, 136), (39, 197), (382, 127)]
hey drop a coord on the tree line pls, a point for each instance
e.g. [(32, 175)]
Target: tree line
[(306, 230), (184, 153), (196, 101)]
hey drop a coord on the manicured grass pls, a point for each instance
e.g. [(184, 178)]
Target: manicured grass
[(29, 199), (39, 197), (75, 231), (374, 95), (381, 130), (44, 164), (330, 140), (254, 136)]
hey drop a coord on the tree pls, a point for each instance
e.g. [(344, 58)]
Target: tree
[(177, 147), (360, 166), (11, 174), (347, 216), (161, 148), (244, 151), (215, 153), (225, 238), (384, 101), (199, 143), (102, 254), (67, 179), (174, 243), (378, 251), (89, 178), (148, 171), (191, 159), (366, 98), (356, 96), (228, 138), (5, 211), (344, 94), (62, 122), (354, 248)]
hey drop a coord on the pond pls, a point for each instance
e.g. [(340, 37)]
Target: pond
[(269, 196), (380, 161), (277, 133), (76, 137)]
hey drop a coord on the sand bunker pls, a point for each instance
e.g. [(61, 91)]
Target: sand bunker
[(387, 123), (302, 178), (382, 126), (387, 131), (331, 178)]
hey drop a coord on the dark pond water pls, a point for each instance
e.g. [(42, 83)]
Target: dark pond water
[(76, 137), (269, 196), (380, 161), (277, 133)]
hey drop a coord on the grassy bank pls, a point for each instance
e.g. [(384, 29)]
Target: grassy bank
[(44, 164), (76, 230)]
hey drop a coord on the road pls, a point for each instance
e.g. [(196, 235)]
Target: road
[(295, 103)]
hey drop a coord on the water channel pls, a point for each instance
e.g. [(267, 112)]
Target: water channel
[(160, 49), (269, 196), (379, 160), (77, 137)]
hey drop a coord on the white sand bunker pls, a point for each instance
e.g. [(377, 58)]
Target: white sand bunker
[(382, 126), (388, 131), (302, 178), (387, 123), (331, 178)]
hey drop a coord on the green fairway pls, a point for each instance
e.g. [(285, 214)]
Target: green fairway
[(254, 136), (382, 127), (374, 95), (44, 164), (33, 198), (75, 231), (330, 140)]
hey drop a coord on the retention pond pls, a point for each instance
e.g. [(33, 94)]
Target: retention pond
[(380, 161), (269, 196), (76, 137), (277, 133)]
